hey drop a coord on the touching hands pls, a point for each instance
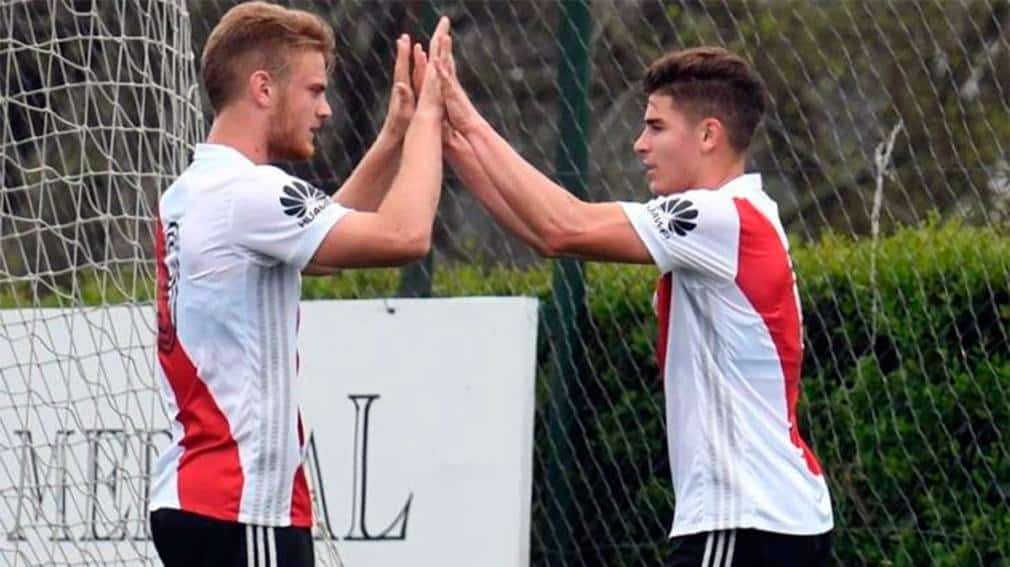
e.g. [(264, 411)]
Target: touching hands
[(431, 97), (409, 87), (459, 110)]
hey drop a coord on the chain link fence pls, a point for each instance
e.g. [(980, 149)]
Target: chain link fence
[(886, 148)]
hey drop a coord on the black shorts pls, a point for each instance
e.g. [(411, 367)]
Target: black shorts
[(749, 548), (184, 539)]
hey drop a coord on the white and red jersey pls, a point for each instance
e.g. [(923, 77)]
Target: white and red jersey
[(232, 240), (730, 348)]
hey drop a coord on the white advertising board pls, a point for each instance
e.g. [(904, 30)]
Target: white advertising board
[(420, 411)]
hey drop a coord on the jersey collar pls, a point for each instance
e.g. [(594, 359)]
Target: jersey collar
[(746, 183), (220, 153)]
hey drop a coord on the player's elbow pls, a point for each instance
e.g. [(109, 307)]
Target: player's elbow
[(562, 230), (418, 250), (543, 249), (557, 239), (549, 247), (414, 245)]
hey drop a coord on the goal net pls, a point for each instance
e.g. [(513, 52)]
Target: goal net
[(101, 110)]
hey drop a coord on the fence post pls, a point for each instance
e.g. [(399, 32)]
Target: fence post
[(415, 278), (568, 319)]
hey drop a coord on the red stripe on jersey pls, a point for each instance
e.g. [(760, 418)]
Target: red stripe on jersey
[(301, 503), (664, 298), (766, 278), (209, 473)]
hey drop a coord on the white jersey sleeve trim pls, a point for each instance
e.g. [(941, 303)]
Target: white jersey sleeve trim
[(639, 217), (316, 233), (283, 217), (697, 230)]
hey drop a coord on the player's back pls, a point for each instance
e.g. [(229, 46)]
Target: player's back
[(227, 316)]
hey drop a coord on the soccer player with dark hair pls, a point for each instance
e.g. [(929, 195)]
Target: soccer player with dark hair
[(234, 236), (748, 489)]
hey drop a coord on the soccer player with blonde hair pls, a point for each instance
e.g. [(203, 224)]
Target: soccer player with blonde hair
[(234, 236)]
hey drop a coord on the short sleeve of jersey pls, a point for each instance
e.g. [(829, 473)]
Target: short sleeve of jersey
[(696, 230), (282, 216)]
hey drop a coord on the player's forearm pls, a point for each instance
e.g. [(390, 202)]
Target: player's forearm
[(471, 173), (413, 197), (371, 179), (313, 269), (545, 207)]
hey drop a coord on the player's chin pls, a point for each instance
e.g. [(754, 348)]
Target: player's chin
[(660, 189), (308, 151), (301, 152), (654, 187)]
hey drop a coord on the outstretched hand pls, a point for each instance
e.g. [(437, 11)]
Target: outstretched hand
[(425, 71), (402, 100), (459, 110)]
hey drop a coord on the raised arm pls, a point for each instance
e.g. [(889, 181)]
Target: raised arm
[(399, 231), (468, 168), (464, 162), (562, 224), (370, 181)]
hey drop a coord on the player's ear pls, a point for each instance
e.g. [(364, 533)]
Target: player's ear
[(711, 133), (262, 88)]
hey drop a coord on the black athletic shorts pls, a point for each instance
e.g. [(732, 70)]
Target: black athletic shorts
[(749, 548), (184, 539)]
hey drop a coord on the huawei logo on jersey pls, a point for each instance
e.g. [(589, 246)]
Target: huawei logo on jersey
[(303, 201), (674, 215)]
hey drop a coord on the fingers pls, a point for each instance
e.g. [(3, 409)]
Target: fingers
[(403, 93), (441, 30), (449, 56), (446, 59), (445, 50), (401, 69), (442, 66), (420, 65)]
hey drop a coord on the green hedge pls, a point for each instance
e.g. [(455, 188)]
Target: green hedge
[(908, 394), (906, 399)]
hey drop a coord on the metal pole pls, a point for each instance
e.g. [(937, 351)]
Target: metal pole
[(415, 278), (569, 317)]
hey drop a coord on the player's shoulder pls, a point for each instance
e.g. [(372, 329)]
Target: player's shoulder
[(271, 182), (265, 178), (177, 197), (692, 198), (688, 206)]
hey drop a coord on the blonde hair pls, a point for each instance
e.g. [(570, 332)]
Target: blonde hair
[(259, 36)]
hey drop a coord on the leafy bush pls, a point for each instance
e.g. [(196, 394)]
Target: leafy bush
[(906, 400)]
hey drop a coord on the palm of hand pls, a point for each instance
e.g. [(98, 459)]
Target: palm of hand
[(459, 110), (401, 98)]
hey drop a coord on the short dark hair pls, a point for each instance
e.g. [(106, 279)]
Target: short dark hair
[(712, 82), (258, 35)]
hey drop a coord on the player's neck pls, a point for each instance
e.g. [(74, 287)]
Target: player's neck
[(723, 173), (232, 129)]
